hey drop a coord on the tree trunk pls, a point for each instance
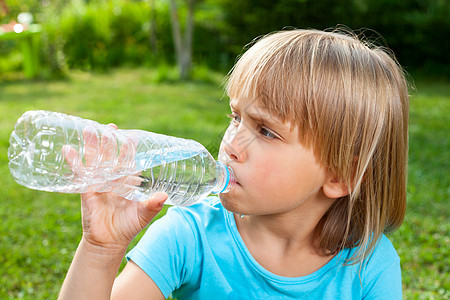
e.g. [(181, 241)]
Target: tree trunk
[(4, 7), (152, 36), (188, 36), (183, 45)]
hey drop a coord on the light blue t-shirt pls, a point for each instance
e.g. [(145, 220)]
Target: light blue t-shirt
[(196, 252)]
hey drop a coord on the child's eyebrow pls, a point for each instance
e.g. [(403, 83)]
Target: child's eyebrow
[(262, 116)]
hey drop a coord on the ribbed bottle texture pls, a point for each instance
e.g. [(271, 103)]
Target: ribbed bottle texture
[(60, 153)]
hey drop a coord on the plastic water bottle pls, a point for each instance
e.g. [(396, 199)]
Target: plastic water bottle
[(56, 152)]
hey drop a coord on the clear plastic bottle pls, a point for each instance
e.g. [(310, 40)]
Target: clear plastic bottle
[(56, 152)]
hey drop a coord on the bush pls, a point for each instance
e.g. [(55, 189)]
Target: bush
[(104, 34), (86, 36), (100, 35), (97, 35)]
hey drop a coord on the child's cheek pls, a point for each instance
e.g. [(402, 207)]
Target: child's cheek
[(263, 174)]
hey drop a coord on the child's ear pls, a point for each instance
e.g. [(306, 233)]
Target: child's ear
[(335, 188)]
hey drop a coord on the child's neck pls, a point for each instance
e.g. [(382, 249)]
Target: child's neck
[(284, 244)]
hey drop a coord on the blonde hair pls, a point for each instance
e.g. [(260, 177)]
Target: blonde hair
[(350, 101)]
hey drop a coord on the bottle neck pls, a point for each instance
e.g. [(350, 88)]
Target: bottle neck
[(225, 179)]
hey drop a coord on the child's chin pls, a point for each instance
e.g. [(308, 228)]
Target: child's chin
[(228, 203)]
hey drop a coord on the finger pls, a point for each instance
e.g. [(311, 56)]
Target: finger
[(151, 207), (91, 147), (156, 200), (113, 125), (134, 181), (126, 154), (126, 185), (71, 156), (108, 148)]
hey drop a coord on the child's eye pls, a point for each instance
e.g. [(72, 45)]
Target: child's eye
[(267, 133), (235, 118)]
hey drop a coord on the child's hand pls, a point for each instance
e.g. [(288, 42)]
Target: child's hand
[(109, 220)]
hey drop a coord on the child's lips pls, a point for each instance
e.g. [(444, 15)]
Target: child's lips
[(237, 181), (225, 159)]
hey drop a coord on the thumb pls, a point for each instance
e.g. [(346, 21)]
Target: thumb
[(152, 206)]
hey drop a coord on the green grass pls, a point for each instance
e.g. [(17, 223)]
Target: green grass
[(423, 240), (40, 231)]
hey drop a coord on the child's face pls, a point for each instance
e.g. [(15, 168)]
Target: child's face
[(274, 172)]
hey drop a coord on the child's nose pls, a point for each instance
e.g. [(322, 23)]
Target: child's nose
[(236, 141)]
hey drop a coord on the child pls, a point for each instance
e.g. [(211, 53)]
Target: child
[(318, 143)]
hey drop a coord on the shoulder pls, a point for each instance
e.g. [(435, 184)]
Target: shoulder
[(384, 254), (173, 247), (381, 271)]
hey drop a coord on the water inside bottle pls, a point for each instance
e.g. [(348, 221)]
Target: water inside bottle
[(185, 175), (147, 160)]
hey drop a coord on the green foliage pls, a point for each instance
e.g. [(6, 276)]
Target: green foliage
[(414, 29), (86, 35), (100, 34), (15, 7), (422, 241), (52, 43), (165, 73), (93, 35), (11, 61)]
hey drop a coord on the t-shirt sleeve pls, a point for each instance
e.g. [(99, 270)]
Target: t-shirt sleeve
[(167, 251), (385, 279)]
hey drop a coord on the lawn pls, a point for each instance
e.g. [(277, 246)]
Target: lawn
[(39, 231)]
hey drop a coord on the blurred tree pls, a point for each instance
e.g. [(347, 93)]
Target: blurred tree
[(97, 34), (15, 7), (247, 19), (415, 29), (152, 35), (52, 42), (183, 42), (4, 7)]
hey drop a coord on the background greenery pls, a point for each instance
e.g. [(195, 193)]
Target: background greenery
[(39, 231), (99, 34), (112, 61)]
